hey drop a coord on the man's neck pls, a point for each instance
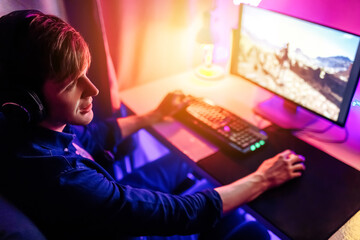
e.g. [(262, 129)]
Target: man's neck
[(52, 126)]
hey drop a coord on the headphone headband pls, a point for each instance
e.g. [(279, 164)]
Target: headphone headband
[(22, 106)]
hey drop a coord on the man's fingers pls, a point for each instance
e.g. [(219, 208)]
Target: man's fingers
[(286, 154), (295, 162), (297, 174), (294, 159), (178, 92), (299, 167)]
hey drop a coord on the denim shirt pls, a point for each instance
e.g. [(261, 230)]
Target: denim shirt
[(72, 197)]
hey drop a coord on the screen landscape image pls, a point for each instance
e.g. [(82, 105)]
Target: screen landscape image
[(306, 63)]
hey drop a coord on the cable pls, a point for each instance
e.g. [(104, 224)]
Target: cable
[(312, 130), (308, 131), (346, 136)]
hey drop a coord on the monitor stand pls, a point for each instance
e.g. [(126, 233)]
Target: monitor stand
[(284, 113)]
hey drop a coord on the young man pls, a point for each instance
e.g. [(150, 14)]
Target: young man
[(48, 168)]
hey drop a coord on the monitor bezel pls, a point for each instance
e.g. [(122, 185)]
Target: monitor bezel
[(350, 87)]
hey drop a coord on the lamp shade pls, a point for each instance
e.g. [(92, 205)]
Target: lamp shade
[(205, 35)]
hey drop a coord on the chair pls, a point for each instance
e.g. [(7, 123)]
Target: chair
[(15, 225)]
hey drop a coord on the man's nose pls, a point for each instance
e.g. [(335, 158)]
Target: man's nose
[(90, 89)]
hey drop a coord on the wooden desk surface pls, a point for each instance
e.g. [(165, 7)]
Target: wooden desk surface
[(239, 96)]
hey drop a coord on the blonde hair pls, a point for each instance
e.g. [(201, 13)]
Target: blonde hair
[(36, 47), (65, 52)]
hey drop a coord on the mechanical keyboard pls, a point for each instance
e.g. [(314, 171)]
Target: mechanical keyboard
[(221, 126)]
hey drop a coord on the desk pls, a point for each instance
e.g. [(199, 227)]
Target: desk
[(240, 97)]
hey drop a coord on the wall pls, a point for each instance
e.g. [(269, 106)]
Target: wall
[(341, 14), (54, 7)]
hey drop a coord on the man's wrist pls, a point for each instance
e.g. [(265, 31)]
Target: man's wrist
[(260, 179), (152, 117)]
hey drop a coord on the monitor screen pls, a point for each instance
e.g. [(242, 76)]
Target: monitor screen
[(314, 66)]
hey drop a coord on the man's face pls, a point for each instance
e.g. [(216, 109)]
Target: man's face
[(68, 102)]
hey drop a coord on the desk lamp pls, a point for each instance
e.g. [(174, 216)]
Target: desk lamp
[(207, 70)]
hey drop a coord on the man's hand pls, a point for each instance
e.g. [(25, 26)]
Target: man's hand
[(171, 104), (281, 168), (271, 173)]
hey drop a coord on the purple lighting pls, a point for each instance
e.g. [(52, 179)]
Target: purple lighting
[(226, 128), (356, 103)]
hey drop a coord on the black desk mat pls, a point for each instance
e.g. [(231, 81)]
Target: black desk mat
[(311, 207)]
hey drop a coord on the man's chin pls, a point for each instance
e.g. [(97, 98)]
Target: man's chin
[(85, 119)]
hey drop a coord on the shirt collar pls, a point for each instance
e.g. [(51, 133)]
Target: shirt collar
[(53, 139)]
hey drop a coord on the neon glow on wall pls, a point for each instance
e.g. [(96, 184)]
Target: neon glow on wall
[(250, 2)]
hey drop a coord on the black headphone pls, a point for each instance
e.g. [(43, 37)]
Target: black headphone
[(17, 102), (22, 106)]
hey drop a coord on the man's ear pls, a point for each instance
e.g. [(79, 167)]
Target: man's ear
[(22, 105)]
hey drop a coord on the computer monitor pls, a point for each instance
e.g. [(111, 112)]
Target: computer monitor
[(304, 63)]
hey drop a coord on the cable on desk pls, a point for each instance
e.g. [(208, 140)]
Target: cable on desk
[(307, 131), (312, 130), (327, 140)]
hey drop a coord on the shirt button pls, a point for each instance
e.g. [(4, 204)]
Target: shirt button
[(66, 149)]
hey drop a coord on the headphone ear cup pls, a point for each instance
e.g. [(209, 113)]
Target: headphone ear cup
[(22, 106), (37, 110)]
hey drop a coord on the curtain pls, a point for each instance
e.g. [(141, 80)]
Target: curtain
[(152, 39), (87, 19), (54, 7)]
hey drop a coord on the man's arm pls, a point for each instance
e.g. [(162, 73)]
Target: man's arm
[(131, 124), (271, 173), (172, 103)]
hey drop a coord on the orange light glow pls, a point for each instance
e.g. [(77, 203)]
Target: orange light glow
[(208, 70), (208, 54)]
